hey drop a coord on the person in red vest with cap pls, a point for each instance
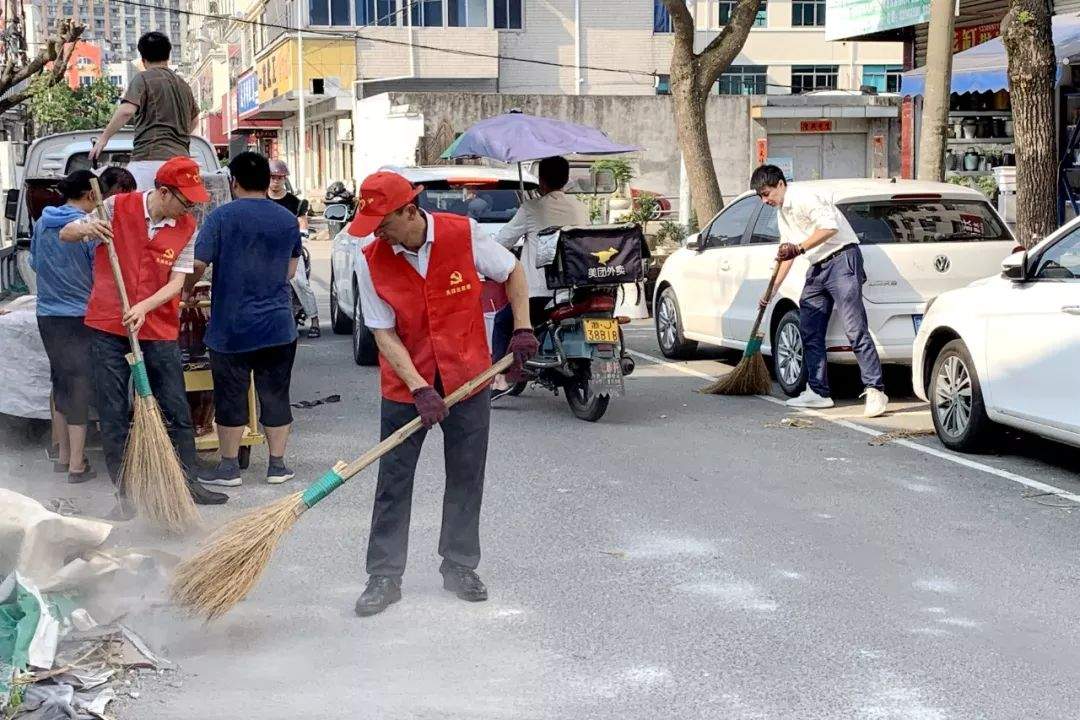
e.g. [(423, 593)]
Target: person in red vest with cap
[(419, 285), (153, 233)]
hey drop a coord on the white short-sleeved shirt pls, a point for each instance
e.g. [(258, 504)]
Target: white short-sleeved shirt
[(185, 261), (556, 209), (492, 261), (804, 212)]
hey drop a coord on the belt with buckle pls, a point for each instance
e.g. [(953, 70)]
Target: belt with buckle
[(833, 254)]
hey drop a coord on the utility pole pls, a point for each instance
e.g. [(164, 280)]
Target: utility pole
[(935, 115), (301, 131)]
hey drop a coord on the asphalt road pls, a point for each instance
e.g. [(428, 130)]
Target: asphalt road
[(689, 556)]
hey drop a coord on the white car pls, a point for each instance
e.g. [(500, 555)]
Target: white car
[(919, 239), (444, 191), (1005, 349)]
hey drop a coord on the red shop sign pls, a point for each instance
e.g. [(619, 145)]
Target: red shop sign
[(815, 126)]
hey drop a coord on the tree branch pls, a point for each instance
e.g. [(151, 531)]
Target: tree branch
[(682, 22), (725, 47)]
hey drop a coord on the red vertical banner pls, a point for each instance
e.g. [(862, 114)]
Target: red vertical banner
[(762, 151), (880, 167), (907, 139)]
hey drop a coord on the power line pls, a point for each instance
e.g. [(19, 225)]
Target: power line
[(344, 34)]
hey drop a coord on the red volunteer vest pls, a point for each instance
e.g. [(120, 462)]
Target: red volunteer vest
[(439, 319), (145, 265)]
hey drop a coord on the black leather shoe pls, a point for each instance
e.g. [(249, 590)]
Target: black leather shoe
[(204, 496), (464, 583), (381, 592)]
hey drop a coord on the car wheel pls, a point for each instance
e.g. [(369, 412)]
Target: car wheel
[(956, 400), (669, 329), (339, 321), (787, 351), (365, 351)]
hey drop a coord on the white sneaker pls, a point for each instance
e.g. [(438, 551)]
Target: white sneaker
[(810, 399), (877, 403)]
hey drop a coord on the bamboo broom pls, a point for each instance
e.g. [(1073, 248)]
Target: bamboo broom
[(150, 473), (227, 567), (750, 376)]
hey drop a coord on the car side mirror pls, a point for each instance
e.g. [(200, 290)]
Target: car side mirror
[(693, 242), (1015, 267), (336, 212), (604, 182), (11, 206)]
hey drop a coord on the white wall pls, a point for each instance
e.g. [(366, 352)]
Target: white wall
[(384, 135)]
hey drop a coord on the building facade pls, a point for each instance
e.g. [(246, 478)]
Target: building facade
[(116, 27)]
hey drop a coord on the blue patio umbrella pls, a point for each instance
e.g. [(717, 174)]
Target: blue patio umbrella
[(515, 137)]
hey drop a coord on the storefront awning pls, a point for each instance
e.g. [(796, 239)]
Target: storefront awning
[(984, 68)]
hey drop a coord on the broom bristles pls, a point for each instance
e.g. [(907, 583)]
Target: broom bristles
[(230, 564), (151, 472), (750, 377)]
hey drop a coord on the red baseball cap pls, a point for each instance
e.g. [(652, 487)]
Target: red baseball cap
[(182, 174), (380, 194)]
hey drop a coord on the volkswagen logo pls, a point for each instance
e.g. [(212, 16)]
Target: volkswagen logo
[(942, 263)]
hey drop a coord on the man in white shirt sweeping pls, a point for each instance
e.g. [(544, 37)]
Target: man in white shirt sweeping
[(553, 208), (811, 225)]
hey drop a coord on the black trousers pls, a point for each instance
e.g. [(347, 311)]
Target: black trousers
[(465, 434), (166, 373)]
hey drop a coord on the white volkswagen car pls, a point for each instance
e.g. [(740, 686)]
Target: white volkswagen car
[(1006, 349), (445, 190), (919, 240)]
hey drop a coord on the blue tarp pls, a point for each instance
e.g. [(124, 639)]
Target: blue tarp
[(984, 67)]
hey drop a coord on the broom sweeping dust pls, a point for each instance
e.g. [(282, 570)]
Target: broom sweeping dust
[(150, 473), (226, 569), (750, 376)]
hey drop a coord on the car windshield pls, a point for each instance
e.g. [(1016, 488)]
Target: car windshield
[(485, 204), (921, 221)]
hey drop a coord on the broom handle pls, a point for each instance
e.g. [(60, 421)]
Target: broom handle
[(114, 262), (343, 471), (412, 426), (768, 294)]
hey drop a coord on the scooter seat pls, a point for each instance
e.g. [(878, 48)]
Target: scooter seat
[(595, 303)]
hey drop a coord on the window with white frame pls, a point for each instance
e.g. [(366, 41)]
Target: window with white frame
[(743, 80), (507, 14), (504, 14), (720, 14), (885, 78), (808, 13), (805, 78)]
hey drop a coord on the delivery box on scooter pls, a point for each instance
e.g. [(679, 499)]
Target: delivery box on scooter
[(592, 255)]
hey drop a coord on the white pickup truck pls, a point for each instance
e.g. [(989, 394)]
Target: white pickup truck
[(51, 158)]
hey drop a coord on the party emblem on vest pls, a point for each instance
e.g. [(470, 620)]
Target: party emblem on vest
[(456, 284), (604, 255), (168, 255)]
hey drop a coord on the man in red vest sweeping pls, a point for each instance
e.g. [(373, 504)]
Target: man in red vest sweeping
[(419, 285), (153, 234)]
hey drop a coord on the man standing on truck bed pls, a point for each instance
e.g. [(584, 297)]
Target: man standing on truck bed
[(163, 109)]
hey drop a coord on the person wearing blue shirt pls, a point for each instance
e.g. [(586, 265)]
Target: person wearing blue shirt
[(253, 245), (64, 278)]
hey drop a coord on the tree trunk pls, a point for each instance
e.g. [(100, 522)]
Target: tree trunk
[(1032, 65), (694, 143), (692, 77), (938, 78)]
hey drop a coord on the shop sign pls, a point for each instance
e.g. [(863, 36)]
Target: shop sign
[(854, 18), (247, 93), (968, 37), (275, 72), (815, 126)]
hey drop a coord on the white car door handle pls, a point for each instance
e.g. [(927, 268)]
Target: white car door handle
[(1071, 309), (724, 265)]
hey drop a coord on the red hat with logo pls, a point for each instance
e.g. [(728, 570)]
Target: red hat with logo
[(380, 194), (182, 174)]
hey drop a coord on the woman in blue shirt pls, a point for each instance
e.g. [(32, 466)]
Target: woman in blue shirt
[(64, 279)]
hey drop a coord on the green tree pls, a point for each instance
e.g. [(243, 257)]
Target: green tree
[(50, 61), (58, 108)]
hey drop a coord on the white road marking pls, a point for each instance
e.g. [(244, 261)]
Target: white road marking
[(941, 453)]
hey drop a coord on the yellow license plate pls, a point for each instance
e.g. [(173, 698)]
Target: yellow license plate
[(601, 331)]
